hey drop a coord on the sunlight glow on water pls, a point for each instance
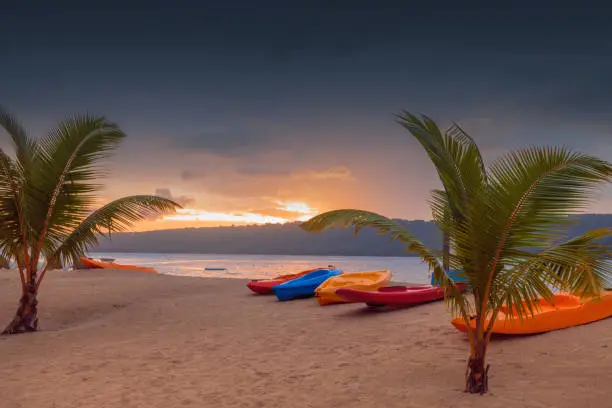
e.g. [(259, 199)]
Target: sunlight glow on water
[(404, 269)]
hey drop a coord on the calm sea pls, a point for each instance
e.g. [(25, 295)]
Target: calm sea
[(404, 269)]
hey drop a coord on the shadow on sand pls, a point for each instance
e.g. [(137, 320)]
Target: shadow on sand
[(507, 338), (368, 311)]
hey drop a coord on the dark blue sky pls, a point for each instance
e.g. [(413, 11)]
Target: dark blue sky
[(293, 88)]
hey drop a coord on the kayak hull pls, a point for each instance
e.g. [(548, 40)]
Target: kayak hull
[(90, 263), (304, 286), (394, 296), (456, 275), (365, 281), (265, 286), (565, 310)]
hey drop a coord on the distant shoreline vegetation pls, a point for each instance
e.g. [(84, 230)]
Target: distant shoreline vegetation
[(289, 239)]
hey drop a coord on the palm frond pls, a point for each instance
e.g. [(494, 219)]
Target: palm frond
[(390, 228), (457, 133), (467, 159), (528, 199), (25, 147), (430, 137), (116, 216), (455, 156), (443, 218), (65, 179), (577, 265), (533, 192), (10, 196), (14, 232)]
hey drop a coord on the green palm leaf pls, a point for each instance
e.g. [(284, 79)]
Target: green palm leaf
[(13, 179), (577, 265), (116, 216), (430, 137), (390, 228), (455, 156), (529, 199), (534, 191), (503, 227), (64, 188), (476, 161), (25, 147), (12, 233), (47, 197)]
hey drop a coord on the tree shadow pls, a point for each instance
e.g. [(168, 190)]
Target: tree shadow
[(503, 338), (509, 338), (368, 311)]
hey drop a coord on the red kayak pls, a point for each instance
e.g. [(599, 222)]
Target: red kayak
[(264, 286), (395, 296)]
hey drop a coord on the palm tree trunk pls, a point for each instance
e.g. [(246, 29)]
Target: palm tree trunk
[(26, 317), (477, 375)]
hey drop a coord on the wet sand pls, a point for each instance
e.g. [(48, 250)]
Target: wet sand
[(129, 339)]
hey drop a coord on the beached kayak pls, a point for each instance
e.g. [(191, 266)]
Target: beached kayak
[(394, 296), (304, 286), (264, 286), (564, 311), (457, 276), (90, 263), (364, 281)]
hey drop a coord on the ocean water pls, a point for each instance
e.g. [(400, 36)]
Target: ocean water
[(404, 269)]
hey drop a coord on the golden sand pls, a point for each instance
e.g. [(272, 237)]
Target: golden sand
[(129, 339)]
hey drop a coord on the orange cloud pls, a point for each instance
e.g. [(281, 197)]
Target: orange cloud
[(182, 200), (332, 173), (285, 212), (243, 218)]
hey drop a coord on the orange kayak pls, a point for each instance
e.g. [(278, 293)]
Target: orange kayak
[(565, 310), (111, 265), (368, 281), (264, 286)]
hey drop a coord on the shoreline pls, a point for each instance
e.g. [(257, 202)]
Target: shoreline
[(254, 254), (132, 339)]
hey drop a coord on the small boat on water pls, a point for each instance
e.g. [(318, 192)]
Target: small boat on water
[(93, 264), (362, 281), (304, 286), (264, 286), (215, 269), (563, 311)]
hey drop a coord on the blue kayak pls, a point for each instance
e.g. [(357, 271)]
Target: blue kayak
[(304, 286), (454, 275)]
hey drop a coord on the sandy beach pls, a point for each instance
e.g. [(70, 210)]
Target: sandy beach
[(128, 339)]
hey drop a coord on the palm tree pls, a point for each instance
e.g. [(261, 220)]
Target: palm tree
[(47, 195), (505, 226)]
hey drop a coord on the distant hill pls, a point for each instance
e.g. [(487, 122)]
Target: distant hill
[(289, 239)]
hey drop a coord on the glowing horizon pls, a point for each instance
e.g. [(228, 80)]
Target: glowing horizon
[(302, 210)]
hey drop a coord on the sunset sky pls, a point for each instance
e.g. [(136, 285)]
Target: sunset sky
[(269, 113)]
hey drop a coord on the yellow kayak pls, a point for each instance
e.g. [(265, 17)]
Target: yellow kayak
[(326, 292)]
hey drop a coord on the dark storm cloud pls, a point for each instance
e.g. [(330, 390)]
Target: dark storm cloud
[(240, 103), (574, 88), (235, 77), (222, 140)]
